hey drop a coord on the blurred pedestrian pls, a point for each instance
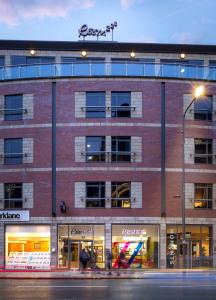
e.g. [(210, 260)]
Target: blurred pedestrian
[(109, 261), (84, 259)]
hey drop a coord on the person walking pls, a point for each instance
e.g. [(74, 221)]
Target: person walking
[(109, 261), (84, 259)]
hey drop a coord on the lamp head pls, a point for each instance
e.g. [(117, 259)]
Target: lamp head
[(199, 91)]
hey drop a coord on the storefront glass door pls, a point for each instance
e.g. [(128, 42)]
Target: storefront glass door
[(75, 248)]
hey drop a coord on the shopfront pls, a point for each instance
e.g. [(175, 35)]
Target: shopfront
[(73, 238), (138, 244), (199, 249), (27, 247)]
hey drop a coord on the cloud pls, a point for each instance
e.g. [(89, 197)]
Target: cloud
[(125, 4), (14, 11)]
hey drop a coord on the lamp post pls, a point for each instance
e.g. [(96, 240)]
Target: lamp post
[(199, 91)]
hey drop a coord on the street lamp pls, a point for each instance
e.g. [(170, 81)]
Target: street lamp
[(198, 92)]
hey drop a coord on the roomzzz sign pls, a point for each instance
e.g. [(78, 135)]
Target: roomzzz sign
[(86, 31)]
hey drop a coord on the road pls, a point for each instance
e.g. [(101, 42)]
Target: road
[(202, 287)]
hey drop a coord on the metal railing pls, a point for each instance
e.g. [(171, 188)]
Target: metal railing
[(114, 69)]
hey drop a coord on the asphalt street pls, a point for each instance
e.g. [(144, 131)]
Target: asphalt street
[(181, 287)]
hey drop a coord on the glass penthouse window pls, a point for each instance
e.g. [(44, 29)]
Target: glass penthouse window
[(133, 67), (13, 107), (95, 105)]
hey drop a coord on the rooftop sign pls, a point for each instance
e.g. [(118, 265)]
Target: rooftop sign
[(86, 31)]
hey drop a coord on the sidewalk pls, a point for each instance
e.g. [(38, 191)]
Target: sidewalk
[(103, 274)]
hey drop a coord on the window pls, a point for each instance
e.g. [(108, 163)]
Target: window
[(203, 109), (13, 195), (121, 147), (13, 107), (95, 105), (182, 68), (203, 151), (133, 67), (1, 61), (121, 193), (203, 195), (121, 104), (17, 60), (95, 194), (95, 148), (13, 151)]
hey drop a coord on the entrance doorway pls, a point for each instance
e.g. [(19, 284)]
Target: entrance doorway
[(192, 254), (75, 248)]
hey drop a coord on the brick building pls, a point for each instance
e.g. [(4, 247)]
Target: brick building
[(91, 154)]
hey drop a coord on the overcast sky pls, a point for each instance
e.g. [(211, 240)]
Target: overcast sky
[(157, 21)]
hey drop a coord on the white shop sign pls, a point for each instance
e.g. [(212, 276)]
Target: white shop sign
[(14, 215)]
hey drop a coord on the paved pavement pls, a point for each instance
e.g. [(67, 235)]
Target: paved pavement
[(103, 274)]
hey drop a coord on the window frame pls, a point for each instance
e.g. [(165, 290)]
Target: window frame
[(118, 111), (208, 191), (116, 154), (119, 202), (18, 111), (101, 155), (99, 110), (201, 114), (10, 200), (203, 158), (13, 158), (101, 199)]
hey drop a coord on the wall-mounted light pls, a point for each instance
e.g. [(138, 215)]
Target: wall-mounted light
[(132, 54), (182, 55), (62, 206), (32, 52), (83, 53)]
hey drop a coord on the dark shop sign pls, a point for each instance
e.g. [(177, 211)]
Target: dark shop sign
[(14, 215), (85, 31)]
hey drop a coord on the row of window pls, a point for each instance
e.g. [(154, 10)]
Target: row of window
[(96, 150), (96, 195)]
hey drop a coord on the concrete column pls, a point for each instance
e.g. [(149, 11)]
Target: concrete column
[(162, 247), (136, 148), (80, 148), (80, 102), (53, 247), (189, 150), (187, 98), (189, 195), (136, 101), (28, 195), (108, 194), (136, 194), (80, 194), (28, 150), (108, 104), (28, 105), (1, 107), (108, 236)]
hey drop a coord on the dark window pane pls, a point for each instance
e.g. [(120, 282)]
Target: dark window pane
[(13, 151), (121, 148), (121, 104), (13, 195), (17, 60), (95, 105), (95, 194), (95, 148), (203, 151), (1, 61), (203, 109), (13, 107)]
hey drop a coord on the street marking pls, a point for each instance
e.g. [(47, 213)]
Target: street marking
[(187, 286), (62, 286)]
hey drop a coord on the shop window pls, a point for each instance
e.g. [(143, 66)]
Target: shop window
[(203, 151), (95, 105), (203, 195), (203, 109), (13, 107), (13, 195), (121, 194), (95, 148), (138, 244), (27, 247), (95, 194), (121, 148), (121, 104), (13, 151)]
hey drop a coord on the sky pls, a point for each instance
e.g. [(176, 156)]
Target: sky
[(140, 21)]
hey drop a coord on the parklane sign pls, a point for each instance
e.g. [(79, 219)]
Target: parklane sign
[(14, 215), (87, 31)]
